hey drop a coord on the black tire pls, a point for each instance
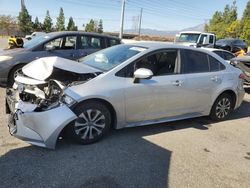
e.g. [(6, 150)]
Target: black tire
[(222, 107), (93, 122), (12, 74)]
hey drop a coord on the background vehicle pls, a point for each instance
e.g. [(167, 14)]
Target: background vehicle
[(226, 55), (34, 34), (243, 63), (232, 45), (111, 88), (15, 42), (70, 45), (195, 38)]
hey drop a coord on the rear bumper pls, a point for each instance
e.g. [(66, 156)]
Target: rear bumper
[(37, 128), (240, 97)]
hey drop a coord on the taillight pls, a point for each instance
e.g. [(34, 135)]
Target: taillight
[(242, 76)]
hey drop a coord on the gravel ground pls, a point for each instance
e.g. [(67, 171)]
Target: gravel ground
[(190, 153)]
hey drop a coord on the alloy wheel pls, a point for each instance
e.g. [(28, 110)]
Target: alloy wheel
[(89, 124), (223, 108)]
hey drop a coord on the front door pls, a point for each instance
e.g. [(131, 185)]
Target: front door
[(63, 47), (158, 97)]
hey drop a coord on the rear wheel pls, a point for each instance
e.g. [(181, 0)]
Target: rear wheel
[(222, 107), (92, 124)]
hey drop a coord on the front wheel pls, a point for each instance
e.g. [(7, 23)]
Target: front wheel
[(92, 124), (222, 107), (13, 73)]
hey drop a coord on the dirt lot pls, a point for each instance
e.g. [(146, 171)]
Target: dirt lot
[(190, 153)]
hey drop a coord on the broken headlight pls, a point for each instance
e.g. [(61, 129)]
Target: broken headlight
[(69, 101)]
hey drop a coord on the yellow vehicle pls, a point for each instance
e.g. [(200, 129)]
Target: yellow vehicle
[(240, 53), (15, 42)]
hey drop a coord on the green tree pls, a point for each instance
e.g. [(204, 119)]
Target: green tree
[(47, 23), (7, 23), (222, 21), (71, 25), (246, 32), (100, 26), (233, 30), (91, 26), (244, 24), (37, 26), (216, 24), (230, 14), (24, 21), (60, 21)]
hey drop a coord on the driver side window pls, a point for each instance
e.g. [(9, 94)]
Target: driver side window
[(63, 43), (160, 63), (56, 43)]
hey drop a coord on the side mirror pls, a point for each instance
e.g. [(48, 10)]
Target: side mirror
[(142, 73), (49, 48)]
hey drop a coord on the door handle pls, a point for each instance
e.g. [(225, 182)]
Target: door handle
[(215, 78), (177, 83)]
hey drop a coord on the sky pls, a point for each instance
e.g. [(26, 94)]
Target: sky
[(165, 15)]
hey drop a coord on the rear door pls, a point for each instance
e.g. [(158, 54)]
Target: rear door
[(89, 44), (202, 79)]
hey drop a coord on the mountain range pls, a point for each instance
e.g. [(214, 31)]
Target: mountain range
[(155, 32)]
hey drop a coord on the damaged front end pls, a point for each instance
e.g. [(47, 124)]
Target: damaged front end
[(243, 63), (39, 109)]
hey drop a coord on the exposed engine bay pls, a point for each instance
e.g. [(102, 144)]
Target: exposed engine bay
[(48, 93)]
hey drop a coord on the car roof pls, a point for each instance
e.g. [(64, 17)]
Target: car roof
[(195, 32), (216, 49), (162, 45), (60, 33)]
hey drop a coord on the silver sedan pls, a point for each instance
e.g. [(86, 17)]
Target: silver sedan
[(122, 86)]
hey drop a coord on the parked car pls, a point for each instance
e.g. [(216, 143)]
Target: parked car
[(195, 38), (243, 63), (232, 45), (123, 86), (34, 34), (70, 45), (224, 54)]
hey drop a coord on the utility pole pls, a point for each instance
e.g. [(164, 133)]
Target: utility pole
[(122, 19), (140, 22), (22, 3)]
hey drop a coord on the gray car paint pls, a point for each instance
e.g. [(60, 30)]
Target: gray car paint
[(24, 56)]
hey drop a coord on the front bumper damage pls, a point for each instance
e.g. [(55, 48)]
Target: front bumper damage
[(38, 128)]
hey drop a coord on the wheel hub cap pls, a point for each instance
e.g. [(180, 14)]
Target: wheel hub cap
[(223, 108), (89, 124)]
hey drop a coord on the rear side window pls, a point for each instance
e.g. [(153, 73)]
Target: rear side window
[(214, 64), (112, 42), (194, 62), (90, 42)]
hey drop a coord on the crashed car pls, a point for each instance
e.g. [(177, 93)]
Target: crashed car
[(122, 86), (243, 63)]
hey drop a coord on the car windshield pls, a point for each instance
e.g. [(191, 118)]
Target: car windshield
[(188, 37), (109, 58), (35, 41)]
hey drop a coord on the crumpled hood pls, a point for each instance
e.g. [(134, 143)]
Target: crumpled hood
[(42, 68)]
